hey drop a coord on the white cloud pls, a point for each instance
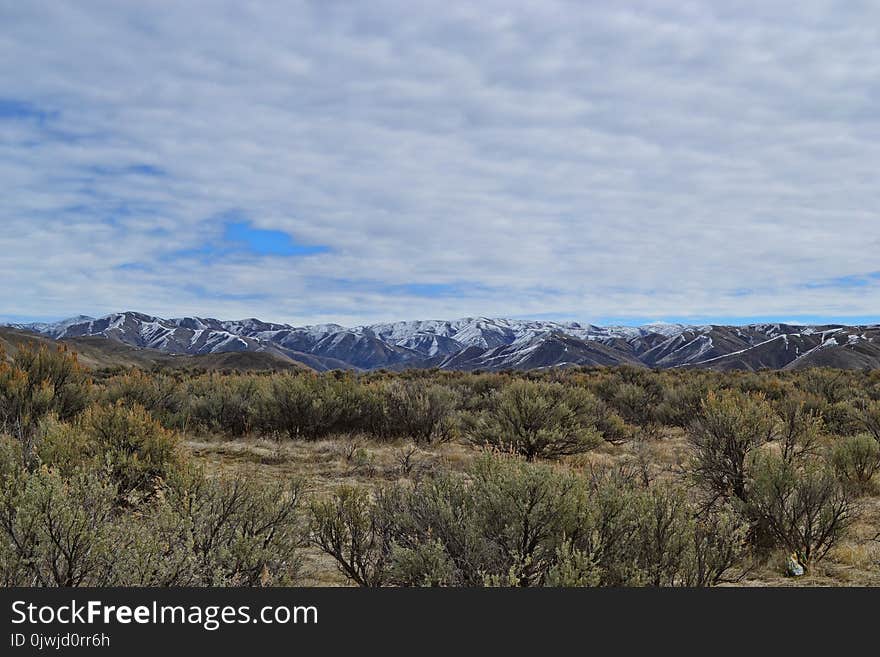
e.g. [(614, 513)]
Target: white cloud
[(590, 160)]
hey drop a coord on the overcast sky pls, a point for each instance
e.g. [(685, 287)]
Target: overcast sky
[(365, 161)]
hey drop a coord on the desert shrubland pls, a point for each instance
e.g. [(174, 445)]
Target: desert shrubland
[(576, 477)]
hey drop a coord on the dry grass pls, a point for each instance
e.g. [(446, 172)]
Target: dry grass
[(326, 465), (329, 463)]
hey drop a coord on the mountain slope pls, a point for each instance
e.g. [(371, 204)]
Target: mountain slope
[(485, 343), (100, 352)]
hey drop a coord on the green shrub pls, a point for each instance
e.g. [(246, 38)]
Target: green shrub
[(138, 451), (718, 542), (680, 549), (868, 418), (36, 383), (800, 431), (304, 406), (416, 409), (10, 455), (59, 368), (662, 522), (766, 384), (856, 459), (681, 403), (346, 528), (436, 512), (573, 567), (636, 403), (654, 536), (160, 394), (522, 514), (828, 384), (65, 447), (538, 420), (56, 531), (806, 509), (428, 564), (240, 531), (843, 418), (730, 427), (111, 477), (362, 409), (610, 425), (509, 522), (301, 406), (225, 404), (23, 405)]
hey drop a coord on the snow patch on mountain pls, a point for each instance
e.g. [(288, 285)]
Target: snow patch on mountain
[(467, 343)]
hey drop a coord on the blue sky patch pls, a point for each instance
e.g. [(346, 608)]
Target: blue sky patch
[(427, 289), (240, 238), (241, 235), (202, 292), (140, 169), (422, 290), (845, 282), (134, 266), (18, 110)]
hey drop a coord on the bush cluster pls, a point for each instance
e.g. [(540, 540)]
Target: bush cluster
[(509, 522), (95, 488), (69, 530), (100, 494)]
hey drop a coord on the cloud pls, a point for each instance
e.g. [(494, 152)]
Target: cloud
[(335, 162)]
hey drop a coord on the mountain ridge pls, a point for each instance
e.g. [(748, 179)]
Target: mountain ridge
[(485, 343)]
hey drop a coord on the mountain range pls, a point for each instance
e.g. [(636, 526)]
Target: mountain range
[(480, 343)]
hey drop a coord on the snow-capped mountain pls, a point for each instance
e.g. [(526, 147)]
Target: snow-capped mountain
[(54, 329), (489, 344)]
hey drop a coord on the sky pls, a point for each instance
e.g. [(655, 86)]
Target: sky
[(358, 162)]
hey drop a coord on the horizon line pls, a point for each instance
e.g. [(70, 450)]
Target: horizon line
[(559, 318)]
